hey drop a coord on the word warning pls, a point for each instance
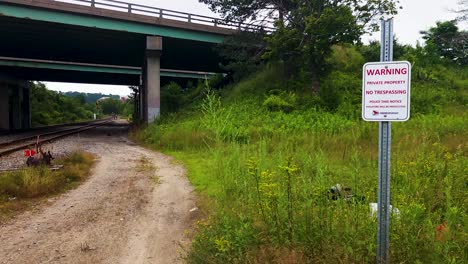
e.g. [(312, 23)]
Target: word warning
[(386, 91)]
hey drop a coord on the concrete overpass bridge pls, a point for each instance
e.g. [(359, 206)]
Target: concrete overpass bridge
[(101, 42)]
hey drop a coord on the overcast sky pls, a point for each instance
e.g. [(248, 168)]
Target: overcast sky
[(415, 16)]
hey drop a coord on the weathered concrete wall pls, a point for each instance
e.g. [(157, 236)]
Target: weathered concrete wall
[(4, 107), (14, 103), (26, 108)]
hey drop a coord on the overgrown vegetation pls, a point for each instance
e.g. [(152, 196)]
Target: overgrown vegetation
[(49, 107), (267, 150), (304, 31), (268, 153), (18, 188)]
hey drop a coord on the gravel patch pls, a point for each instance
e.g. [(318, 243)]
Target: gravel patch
[(59, 148), (64, 146)]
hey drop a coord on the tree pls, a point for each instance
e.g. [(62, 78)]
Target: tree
[(447, 41), (111, 106), (242, 53), (128, 110), (306, 30), (462, 11), (371, 52), (81, 98), (305, 45), (249, 10), (366, 11), (49, 107)]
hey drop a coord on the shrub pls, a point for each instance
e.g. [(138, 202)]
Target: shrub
[(172, 98), (339, 87), (285, 102)]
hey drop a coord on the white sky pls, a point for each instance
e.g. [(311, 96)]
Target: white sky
[(415, 16)]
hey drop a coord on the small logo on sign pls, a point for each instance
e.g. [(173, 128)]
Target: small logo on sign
[(375, 112)]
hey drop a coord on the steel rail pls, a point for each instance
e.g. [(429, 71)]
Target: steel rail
[(25, 142), (140, 9), (38, 128)]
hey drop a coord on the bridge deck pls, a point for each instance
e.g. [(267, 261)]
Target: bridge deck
[(201, 26), (43, 31)]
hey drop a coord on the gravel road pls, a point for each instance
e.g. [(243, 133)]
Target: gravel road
[(134, 208)]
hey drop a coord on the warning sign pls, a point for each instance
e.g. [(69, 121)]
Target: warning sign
[(386, 91)]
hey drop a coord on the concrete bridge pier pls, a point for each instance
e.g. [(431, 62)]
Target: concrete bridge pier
[(15, 108), (151, 92)]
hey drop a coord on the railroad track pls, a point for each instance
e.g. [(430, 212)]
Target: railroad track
[(39, 138), (42, 128)]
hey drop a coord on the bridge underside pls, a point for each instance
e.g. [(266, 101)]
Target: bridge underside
[(50, 49), (54, 71), (14, 103), (53, 75), (32, 39)]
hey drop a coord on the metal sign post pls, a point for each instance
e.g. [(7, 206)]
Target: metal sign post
[(385, 98), (385, 133)]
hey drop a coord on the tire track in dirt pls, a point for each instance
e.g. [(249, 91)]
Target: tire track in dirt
[(121, 214)]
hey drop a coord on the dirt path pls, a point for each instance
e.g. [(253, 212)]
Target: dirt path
[(135, 208)]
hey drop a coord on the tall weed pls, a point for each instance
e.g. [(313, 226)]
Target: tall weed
[(41, 181), (269, 174)]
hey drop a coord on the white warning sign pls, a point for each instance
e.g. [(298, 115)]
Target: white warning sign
[(386, 91)]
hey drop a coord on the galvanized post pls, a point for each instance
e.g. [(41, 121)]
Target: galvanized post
[(385, 133), (129, 8)]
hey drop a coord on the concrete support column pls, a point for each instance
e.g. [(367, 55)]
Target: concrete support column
[(152, 79), (15, 107), (4, 107), (26, 103)]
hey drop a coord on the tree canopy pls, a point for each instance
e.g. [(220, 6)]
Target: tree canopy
[(49, 107), (448, 42), (366, 12), (462, 10), (306, 30)]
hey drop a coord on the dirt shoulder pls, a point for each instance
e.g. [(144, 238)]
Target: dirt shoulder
[(134, 208)]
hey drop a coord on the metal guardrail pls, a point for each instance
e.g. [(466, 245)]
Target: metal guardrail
[(169, 14)]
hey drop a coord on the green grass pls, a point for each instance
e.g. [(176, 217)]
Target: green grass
[(266, 174), (19, 189)]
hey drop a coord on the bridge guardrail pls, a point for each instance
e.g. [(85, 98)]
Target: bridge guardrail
[(139, 9)]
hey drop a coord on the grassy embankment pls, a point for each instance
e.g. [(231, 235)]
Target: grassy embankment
[(266, 173), (20, 189)]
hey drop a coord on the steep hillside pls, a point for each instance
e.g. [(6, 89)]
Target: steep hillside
[(264, 154)]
